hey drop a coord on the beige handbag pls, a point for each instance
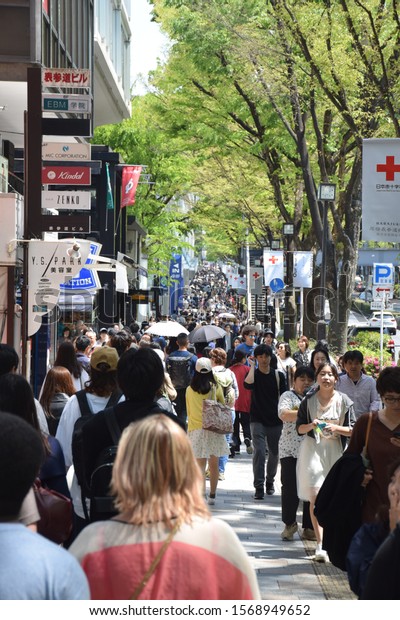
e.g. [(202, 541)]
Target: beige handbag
[(216, 417)]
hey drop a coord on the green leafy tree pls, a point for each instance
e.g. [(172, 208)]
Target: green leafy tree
[(158, 204), (290, 87)]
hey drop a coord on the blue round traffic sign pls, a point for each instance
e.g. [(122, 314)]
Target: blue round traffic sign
[(276, 285)]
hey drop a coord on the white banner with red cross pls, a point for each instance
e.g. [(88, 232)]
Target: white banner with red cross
[(381, 189), (233, 278), (256, 280), (273, 266), (239, 283)]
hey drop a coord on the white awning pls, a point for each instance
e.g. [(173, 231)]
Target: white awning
[(79, 301)]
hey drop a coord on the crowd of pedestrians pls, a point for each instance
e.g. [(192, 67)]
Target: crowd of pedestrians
[(118, 430)]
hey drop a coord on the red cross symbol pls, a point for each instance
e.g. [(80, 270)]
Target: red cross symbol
[(235, 278), (241, 282), (256, 275), (390, 168), (273, 260)]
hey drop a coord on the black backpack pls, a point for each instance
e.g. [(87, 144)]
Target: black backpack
[(77, 440), (179, 369), (101, 501)]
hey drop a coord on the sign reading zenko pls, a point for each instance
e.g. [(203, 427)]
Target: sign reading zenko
[(71, 201)]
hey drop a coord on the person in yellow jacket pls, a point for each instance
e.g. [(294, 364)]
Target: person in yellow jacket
[(206, 445)]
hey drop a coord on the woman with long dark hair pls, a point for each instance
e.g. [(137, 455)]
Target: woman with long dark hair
[(66, 356), (56, 390), (206, 445), (16, 397)]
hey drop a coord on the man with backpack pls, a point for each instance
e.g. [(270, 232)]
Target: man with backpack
[(180, 366), (140, 375), (101, 391), (267, 385)]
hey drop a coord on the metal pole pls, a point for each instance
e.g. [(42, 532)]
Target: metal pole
[(321, 327), (301, 317), (383, 305), (248, 284)]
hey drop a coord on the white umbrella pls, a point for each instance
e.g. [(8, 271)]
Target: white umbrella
[(227, 315), (166, 328), (205, 333)]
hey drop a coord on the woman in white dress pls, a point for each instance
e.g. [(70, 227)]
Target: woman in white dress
[(325, 418), (207, 445)]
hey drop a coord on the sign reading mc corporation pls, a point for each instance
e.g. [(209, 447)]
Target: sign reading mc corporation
[(66, 175), (65, 151)]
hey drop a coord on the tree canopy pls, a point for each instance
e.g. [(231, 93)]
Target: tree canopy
[(259, 102)]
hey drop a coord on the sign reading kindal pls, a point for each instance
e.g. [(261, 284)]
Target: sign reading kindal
[(66, 175)]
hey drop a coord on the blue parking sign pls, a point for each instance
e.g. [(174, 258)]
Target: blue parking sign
[(383, 273)]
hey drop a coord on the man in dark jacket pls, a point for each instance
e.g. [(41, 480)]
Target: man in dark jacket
[(140, 374), (267, 385), (338, 506)]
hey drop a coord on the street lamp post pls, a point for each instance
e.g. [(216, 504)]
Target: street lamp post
[(326, 194), (272, 309), (288, 232)]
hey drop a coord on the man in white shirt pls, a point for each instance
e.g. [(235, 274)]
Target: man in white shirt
[(358, 386)]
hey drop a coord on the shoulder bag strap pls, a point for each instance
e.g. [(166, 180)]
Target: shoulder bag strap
[(278, 380), (139, 588), (368, 431), (83, 403), (114, 398), (113, 426)]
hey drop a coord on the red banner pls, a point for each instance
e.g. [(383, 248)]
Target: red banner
[(130, 180)]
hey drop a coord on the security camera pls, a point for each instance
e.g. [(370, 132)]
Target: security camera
[(74, 251), (126, 260)]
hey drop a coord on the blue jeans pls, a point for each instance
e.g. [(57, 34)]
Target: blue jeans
[(222, 461), (266, 447)]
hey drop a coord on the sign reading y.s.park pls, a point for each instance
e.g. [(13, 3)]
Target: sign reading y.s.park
[(51, 263), (66, 175)]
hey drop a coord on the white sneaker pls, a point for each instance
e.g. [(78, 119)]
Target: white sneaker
[(211, 500), (320, 554)]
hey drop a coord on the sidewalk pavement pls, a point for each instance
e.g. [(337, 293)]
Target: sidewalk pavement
[(285, 570)]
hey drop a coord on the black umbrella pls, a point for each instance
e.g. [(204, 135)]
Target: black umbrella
[(205, 333)]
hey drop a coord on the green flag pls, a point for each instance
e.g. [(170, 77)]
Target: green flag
[(110, 200)]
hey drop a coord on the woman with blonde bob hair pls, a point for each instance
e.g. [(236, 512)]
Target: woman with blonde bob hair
[(163, 539)]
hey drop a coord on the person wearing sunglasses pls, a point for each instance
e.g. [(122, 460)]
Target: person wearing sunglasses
[(383, 442), (249, 335)]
